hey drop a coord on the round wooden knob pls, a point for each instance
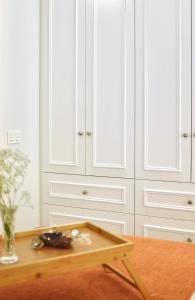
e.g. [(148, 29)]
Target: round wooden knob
[(189, 240), (89, 133), (84, 192), (190, 202), (185, 135)]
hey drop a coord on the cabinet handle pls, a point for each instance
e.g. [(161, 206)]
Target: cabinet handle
[(80, 133), (189, 240), (190, 202), (88, 133), (84, 192), (194, 135), (186, 135)]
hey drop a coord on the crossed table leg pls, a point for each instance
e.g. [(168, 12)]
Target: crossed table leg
[(133, 279)]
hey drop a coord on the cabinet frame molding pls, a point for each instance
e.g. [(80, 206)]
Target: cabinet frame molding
[(147, 166), (50, 69)]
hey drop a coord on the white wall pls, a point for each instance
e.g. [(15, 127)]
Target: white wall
[(19, 90)]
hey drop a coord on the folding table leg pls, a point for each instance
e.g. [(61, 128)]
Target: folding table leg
[(133, 279), (140, 285), (108, 267)]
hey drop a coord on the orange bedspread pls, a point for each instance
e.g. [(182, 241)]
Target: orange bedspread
[(167, 268)]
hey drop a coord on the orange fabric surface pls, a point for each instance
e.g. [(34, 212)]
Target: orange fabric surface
[(167, 269)]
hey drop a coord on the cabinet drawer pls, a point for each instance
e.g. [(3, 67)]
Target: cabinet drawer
[(99, 193), (115, 222), (166, 229), (165, 199)]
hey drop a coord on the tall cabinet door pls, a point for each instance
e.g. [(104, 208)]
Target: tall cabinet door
[(193, 92), (63, 85), (163, 89), (110, 88)]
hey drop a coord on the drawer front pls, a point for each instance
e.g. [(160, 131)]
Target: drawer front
[(101, 193), (165, 199), (165, 229), (115, 222)]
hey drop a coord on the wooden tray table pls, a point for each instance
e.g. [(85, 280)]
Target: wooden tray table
[(105, 248)]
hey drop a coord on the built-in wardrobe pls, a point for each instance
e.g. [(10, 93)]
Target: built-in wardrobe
[(118, 115)]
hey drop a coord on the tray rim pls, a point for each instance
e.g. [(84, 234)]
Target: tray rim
[(84, 224), (122, 243)]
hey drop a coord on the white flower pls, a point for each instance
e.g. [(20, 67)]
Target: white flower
[(13, 165)]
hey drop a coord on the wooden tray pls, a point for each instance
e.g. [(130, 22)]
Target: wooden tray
[(106, 247)]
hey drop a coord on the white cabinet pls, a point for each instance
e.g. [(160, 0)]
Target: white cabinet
[(89, 106), (163, 89), (110, 88), (116, 222), (87, 110), (164, 206), (166, 229), (87, 87), (105, 194)]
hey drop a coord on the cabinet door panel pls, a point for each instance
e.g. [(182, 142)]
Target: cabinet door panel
[(193, 93), (62, 85), (110, 88), (163, 89)]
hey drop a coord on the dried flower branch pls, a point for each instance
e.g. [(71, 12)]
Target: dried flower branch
[(13, 166)]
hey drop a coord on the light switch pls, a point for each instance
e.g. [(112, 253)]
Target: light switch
[(14, 137)]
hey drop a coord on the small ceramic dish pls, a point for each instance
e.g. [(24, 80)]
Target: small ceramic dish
[(56, 239)]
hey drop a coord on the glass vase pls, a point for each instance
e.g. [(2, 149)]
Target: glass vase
[(8, 219)]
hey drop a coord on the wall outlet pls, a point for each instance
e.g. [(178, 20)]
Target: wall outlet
[(14, 137)]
